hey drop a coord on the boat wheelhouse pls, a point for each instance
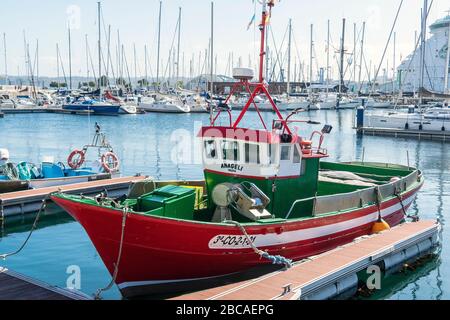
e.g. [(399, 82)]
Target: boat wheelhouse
[(284, 167)]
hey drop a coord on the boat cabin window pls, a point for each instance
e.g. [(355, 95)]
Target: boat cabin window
[(230, 150), (252, 154), (285, 153), (210, 149), (297, 157)]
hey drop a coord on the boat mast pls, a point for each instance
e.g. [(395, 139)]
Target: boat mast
[(211, 111), (146, 66), (267, 54), (362, 55), (263, 29), (70, 60), (135, 62), (289, 61), (447, 64), (118, 58), (57, 66), (27, 70), (328, 58), (6, 59), (99, 49), (341, 81), (87, 57), (37, 61), (311, 48), (422, 49), (354, 53), (159, 45), (179, 42), (394, 64)]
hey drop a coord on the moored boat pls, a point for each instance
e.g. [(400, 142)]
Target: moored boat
[(27, 175), (267, 198), (94, 106)]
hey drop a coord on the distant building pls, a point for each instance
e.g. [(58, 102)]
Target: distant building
[(435, 61)]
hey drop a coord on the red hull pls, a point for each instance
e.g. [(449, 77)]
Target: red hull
[(160, 251)]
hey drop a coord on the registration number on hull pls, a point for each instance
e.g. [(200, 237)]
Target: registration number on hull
[(231, 242)]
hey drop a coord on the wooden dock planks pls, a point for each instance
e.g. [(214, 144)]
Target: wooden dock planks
[(14, 286), (318, 268)]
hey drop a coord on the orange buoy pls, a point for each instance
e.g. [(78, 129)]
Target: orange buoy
[(380, 226)]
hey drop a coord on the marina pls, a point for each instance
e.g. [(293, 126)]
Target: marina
[(279, 179)]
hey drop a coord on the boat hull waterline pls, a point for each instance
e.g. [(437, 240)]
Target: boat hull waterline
[(159, 253)]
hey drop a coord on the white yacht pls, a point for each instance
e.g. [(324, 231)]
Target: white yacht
[(431, 119), (164, 104), (6, 102)]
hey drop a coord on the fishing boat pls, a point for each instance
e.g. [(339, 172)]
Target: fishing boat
[(27, 175), (267, 198)]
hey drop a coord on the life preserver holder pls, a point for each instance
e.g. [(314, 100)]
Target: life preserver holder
[(76, 159), (110, 162)]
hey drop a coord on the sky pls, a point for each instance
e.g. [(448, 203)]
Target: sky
[(47, 22)]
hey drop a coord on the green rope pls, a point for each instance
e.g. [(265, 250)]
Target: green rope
[(33, 228)]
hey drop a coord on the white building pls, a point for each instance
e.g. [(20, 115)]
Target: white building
[(435, 61)]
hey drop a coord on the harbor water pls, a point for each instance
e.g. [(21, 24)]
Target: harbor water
[(163, 146)]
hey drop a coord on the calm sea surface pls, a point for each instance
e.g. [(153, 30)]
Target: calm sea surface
[(161, 146)]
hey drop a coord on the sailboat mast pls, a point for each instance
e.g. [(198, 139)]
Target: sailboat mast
[(354, 53), (341, 82), (311, 49), (135, 62), (6, 58), (447, 64), (57, 65), (37, 61), (70, 60), (362, 54), (27, 70), (422, 49), (328, 57), (146, 66), (99, 47), (159, 44), (289, 60), (394, 63), (179, 42)]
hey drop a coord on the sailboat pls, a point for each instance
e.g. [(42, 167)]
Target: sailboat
[(428, 117), (267, 198)]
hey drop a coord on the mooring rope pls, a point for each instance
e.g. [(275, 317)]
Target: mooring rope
[(97, 295), (379, 200), (33, 228), (278, 260), (413, 218)]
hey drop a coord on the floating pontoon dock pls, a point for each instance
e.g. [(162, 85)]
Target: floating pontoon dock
[(403, 133), (45, 110), (28, 201), (334, 273), (14, 286)]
